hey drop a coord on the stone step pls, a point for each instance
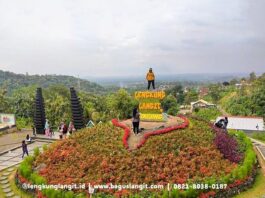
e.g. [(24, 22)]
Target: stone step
[(4, 182), (7, 190), (10, 169), (10, 194), (5, 185), (3, 178), (6, 173)]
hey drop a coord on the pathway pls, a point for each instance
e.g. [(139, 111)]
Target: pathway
[(134, 139), (5, 183), (260, 149), (10, 158), (14, 156)]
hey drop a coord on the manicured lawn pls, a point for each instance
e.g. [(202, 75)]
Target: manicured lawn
[(258, 189)]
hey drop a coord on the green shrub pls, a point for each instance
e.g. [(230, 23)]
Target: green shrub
[(25, 170), (173, 111), (44, 147), (208, 114), (22, 123), (36, 151), (259, 136)]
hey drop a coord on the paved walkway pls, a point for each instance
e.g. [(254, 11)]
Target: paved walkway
[(11, 140), (134, 139), (260, 146), (14, 157)]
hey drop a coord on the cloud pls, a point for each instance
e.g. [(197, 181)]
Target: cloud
[(97, 37)]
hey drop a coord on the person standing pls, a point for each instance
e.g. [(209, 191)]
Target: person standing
[(33, 130), (24, 148), (136, 120), (71, 128), (64, 129), (150, 77), (47, 128)]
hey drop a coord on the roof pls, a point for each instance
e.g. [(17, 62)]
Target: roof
[(202, 101), (244, 123)]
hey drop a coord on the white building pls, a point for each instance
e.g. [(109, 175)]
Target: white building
[(201, 104), (245, 123)]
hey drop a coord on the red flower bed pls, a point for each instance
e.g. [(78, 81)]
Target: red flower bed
[(126, 135), (152, 133)]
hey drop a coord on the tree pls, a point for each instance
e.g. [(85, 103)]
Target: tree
[(258, 97), (57, 101), (170, 105), (215, 92), (191, 96), (121, 104), (22, 101), (4, 102), (252, 77), (177, 92)]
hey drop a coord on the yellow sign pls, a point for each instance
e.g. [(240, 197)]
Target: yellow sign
[(150, 105), (145, 105), (149, 94), (149, 116)]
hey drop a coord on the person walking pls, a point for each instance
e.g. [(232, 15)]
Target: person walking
[(150, 77), (24, 148), (136, 120)]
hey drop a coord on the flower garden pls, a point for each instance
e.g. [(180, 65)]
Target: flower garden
[(193, 152)]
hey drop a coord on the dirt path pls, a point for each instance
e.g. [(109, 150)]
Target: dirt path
[(135, 139)]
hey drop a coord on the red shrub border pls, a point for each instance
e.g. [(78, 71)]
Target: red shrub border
[(126, 135)]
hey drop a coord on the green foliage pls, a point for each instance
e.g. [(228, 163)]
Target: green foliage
[(170, 105), (215, 92), (173, 110), (22, 101), (259, 136), (121, 104), (248, 100), (191, 96), (14, 81), (57, 104), (44, 147), (25, 167), (36, 151), (177, 92), (22, 123), (4, 104), (207, 113)]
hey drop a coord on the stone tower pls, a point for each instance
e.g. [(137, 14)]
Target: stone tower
[(77, 110), (39, 114)]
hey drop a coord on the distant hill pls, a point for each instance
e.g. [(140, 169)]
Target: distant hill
[(13, 81)]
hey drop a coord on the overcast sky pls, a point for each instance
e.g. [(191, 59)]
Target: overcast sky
[(125, 37)]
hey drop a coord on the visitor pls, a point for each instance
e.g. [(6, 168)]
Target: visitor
[(222, 123), (136, 120), (51, 132), (71, 128), (60, 129), (28, 139), (150, 77), (47, 128), (225, 123), (33, 130), (64, 130), (24, 148)]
